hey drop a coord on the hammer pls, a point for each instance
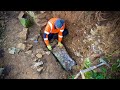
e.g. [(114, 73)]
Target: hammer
[(91, 68)]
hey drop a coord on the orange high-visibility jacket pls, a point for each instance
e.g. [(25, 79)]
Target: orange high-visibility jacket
[(50, 28)]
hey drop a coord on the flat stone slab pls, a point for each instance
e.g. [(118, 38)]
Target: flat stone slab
[(63, 57)]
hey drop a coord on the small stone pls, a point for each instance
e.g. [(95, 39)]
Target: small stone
[(99, 40), (39, 55), (78, 54), (24, 42), (32, 55), (21, 46), (38, 64), (36, 59), (17, 50), (43, 52), (90, 39), (81, 59), (13, 50), (48, 52), (84, 41), (39, 60), (92, 32), (29, 46), (42, 11), (40, 69), (96, 43), (40, 51), (23, 34), (89, 47), (28, 52)]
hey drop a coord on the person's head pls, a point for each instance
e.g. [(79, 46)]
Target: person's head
[(59, 23)]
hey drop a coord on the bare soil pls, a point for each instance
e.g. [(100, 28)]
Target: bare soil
[(19, 65), (84, 33)]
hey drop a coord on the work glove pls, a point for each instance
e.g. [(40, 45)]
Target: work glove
[(49, 47), (60, 44)]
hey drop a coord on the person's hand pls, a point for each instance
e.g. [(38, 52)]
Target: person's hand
[(49, 47), (60, 44)]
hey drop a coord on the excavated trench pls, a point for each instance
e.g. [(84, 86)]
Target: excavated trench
[(89, 32)]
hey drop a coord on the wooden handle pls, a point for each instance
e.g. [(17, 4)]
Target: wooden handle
[(82, 74)]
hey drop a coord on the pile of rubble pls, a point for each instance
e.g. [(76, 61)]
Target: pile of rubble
[(26, 47)]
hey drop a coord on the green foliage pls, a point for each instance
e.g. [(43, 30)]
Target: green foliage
[(89, 75), (25, 22), (102, 74), (71, 77), (87, 63), (116, 66), (94, 74)]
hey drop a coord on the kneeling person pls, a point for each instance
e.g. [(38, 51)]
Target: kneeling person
[(55, 29)]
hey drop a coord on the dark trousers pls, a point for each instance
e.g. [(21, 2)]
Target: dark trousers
[(55, 36)]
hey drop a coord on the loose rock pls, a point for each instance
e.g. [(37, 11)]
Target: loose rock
[(42, 11), (36, 59), (28, 52), (40, 69), (21, 46), (32, 55), (40, 51), (39, 55), (92, 32), (13, 50), (38, 64), (23, 34), (65, 60), (78, 54), (29, 46), (48, 52)]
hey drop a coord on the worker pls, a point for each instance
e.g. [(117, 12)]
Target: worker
[(55, 29)]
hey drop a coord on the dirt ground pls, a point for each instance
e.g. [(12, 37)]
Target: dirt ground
[(91, 32), (19, 65), (85, 36)]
